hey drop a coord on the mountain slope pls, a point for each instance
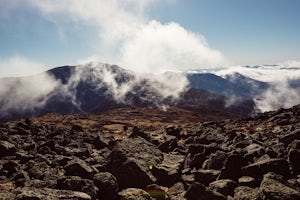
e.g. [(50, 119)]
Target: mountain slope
[(102, 87)]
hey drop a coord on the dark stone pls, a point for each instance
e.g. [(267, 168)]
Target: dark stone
[(132, 160), (258, 169), (10, 167), (138, 132), (198, 191), (274, 187), (295, 144), (287, 139), (7, 149), (197, 160), (107, 185), (206, 176), (232, 167), (246, 193), (224, 186), (76, 128), (78, 167), (29, 193), (77, 183), (294, 160), (169, 145), (215, 161), (173, 130), (169, 171), (134, 194), (176, 190), (196, 148), (253, 151)]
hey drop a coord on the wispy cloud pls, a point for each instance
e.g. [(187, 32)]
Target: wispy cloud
[(19, 66)]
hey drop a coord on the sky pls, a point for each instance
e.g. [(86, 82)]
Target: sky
[(146, 35)]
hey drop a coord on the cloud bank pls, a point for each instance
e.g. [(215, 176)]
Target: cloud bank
[(283, 79)]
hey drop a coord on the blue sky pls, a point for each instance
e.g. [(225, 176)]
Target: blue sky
[(147, 35)]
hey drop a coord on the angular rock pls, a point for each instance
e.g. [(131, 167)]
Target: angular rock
[(176, 190), (7, 149), (273, 187), (198, 191), (215, 161), (169, 145), (294, 160), (157, 192), (232, 167), (224, 186), (196, 148), (246, 193), (254, 151), (174, 131), (76, 183), (78, 167), (49, 194), (206, 176), (134, 194), (289, 138), (107, 185), (247, 181), (132, 160), (7, 186), (168, 172), (258, 169)]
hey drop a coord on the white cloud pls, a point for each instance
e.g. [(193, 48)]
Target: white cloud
[(19, 66), (157, 47), (127, 37)]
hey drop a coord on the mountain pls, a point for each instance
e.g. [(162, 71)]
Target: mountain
[(231, 85), (95, 88)]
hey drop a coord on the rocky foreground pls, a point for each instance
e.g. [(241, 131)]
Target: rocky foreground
[(255, 158)]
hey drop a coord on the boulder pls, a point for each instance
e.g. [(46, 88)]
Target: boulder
[(48, 193), (224, 186), (168, 172), (7, 149), (246, 193), (169, 145), (206, 176), (247, 181), (157, 192), (215, 161), (294, 160), (174, 131), (78, 167), (232, 167), (107, 185), (77, 183), (254, 151), (197, 191), (176, 191), (134, 194), (289, 138), (274, 187), (258, 169), (132, 160)]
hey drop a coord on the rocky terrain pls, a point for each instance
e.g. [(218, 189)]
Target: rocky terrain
[(146, 155)]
